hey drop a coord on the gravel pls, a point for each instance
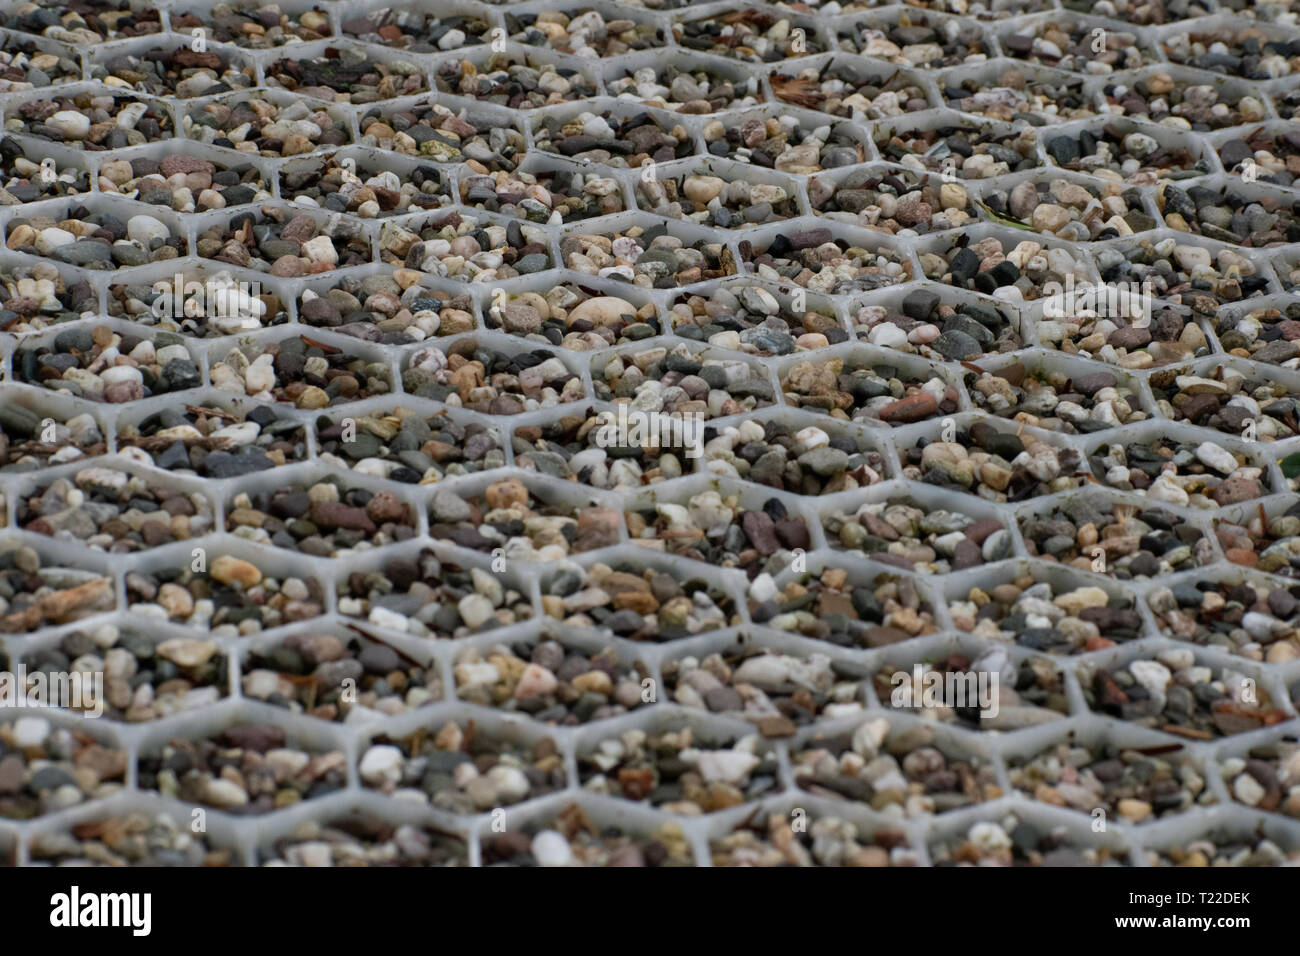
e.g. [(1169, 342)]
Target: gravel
[(299, 371), (145, 678), (113, 20), (923, 323), (754, 36), (636, 603), (679, 770), (45, 768), (100, 364), (1128, 152), (611, 138), (1264, 777), (1224, 849), (573, 838), (427, 598), (895, 203), (845, 86), (1013, 841), (1134, 784), (308, 673), (1187, 474), (820, 260), (1256, 539), (1070, 210), (648, 257), (131, 839), (826, 841), (1173, 692), (24, 181), (114, 511), (778, 692), (1035, 693), (695, 90), (1228, 401), (1057, 401), (37, 592), (1188, 104), (682, 381), (232, 597), (718, 197), (1068, 44), (389, 307), (1067, 618), (993, 463), (434, 132), (77, 235), (462, 768), (254, 25), (552, 683), (584, 31), (1121, 540), (325, 519), (207, 439), (550, 196), (872, 611), (1012, 270), (284, 244), (352, 76), (517, 82), (1254, 619), (182, 72), (1230, 50), (815, 459), (1042, 96), (901, 772), (858, 389), (363, 186), (1258, 222), (245, 770), (467, 240), (784, 142), (569, 316), (719, 531), (408, 445), (915, 39), (903, 533), (93, 121), (417, 32), (361, 839)]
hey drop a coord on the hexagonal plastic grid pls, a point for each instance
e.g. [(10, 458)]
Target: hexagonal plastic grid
[(364, 537)]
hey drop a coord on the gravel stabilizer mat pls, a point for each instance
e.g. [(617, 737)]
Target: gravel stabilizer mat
[(342, 348)]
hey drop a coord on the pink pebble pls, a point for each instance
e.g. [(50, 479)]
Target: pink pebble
[(923, 334)]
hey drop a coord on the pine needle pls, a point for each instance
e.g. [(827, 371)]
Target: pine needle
[(1003, 220)]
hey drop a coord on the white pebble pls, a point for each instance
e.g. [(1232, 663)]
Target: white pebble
[(381, 764), (70, 123), (144, 229), (30, 731), (551, 849)]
